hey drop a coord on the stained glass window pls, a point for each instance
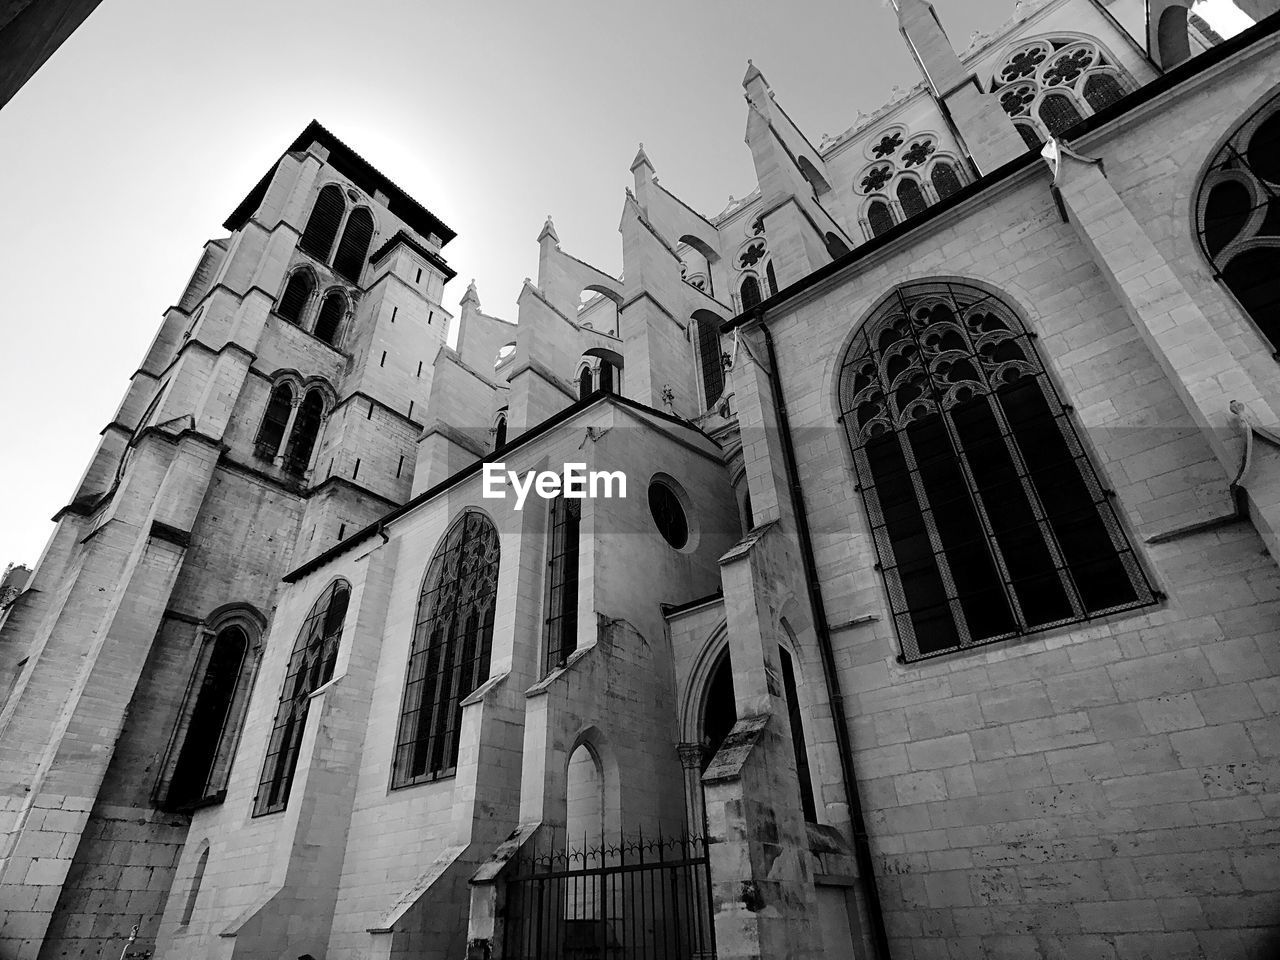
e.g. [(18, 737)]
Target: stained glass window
[(449, 656), (987, 516), (315, 653)]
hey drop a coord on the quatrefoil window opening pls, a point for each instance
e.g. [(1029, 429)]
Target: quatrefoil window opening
[(751, 256)]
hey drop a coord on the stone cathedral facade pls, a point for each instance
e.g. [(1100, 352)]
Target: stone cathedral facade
[(940, 617)]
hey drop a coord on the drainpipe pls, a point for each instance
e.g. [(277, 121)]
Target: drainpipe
[(861, 845)]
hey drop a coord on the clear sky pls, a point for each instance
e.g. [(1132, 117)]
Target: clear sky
[(136, 140)]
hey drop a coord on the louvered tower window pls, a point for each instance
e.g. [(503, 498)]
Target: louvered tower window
[(986, 513), (296, 294), (710, 359), (322, 225), (560, 629), (354, 246), (315, 653), (330, 317), (449, 657), (274, 422), (945, 181), (306, 426), (910, 197)]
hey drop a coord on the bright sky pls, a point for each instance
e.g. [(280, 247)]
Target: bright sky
[(136, 140)]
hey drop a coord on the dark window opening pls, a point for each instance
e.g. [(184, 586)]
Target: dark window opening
[(606, 377), (322, 225), (330, 318), (988, 516), (399, 467), (306, 427), (294, 299), (584, 383), (879, 218), (798, 744), (274, 422), (719, 710), (449, 657), (750, 291), (911, 198), (560, 630), (1102, 90), (668, 514), (353, 248), (197, 878), (1059, 113), (207, 727), (945, 181), (771, 278), (311, 664), (500, 433), (710, 358)]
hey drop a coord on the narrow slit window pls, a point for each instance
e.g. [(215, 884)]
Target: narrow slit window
[(560, 629)]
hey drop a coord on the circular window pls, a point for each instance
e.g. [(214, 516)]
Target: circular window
[(668, 514)]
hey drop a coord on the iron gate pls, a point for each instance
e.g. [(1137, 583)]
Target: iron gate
[(635, 900)]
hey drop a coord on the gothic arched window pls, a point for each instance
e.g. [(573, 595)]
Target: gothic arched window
[(986, 513), (315, 653), (500, 432), (208, 721), (322, 225), (606, 378), (1238, 217), (330, 317), (945, 180), (1030, 135), (560, 628), (1101, 90), (296, 294), (274, 422), (879, 218), (354, 245), (1058, 113), (584, 383), (710, 358), (306, 427), (449, 657), (771, 278), (911, 198), (750, 292)]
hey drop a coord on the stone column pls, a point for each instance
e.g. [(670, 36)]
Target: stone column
[(691, 755)]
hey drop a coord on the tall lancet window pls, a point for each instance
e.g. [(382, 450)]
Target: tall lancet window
[(353, 248), (315, 653), (710, 357), (560, 628), (449, 656), (322, 225), (987, 516)]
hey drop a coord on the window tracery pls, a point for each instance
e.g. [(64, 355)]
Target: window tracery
[(450, 653), (1238, 217), (311, 665), (1049, 84), (908, 173), (987, 516)]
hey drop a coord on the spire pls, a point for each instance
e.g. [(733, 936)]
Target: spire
[(753, 74), (471, 297), (549, 231), (641, 160)]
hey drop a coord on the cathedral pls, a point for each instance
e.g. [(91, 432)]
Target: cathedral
[(884, 566)]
